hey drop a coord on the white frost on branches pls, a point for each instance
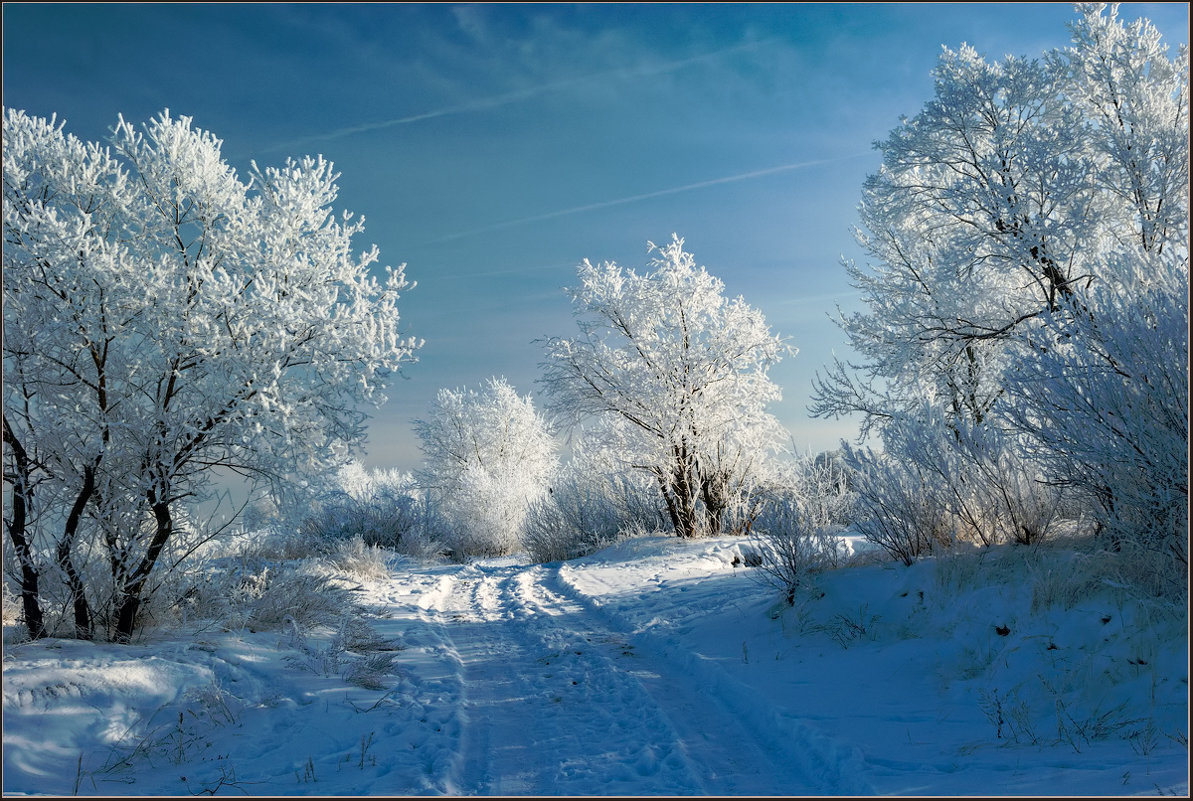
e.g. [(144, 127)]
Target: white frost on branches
[(677, 375), (1028, 232), (488, 458), (163, 318)]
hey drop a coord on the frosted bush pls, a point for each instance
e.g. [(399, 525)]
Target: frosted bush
[(381, 507), (488, 458), (359, 561), (797, 526), (253, 594), (894, 509)]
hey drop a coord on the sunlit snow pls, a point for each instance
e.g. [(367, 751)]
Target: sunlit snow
[(653, 667)]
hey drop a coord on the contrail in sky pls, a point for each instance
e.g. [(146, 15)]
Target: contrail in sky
[(745, 176), (496, 101)]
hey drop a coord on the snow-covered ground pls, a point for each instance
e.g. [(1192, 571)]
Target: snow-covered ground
[(654, 667)]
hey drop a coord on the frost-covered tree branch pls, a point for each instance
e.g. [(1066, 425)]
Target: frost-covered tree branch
[(1028, 244), (164, 318), (678, 374)]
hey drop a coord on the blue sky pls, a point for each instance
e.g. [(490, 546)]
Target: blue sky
[(492, 147)]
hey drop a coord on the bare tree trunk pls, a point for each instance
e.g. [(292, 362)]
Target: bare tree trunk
[(130, 599), (680, 492), (715, 494), (672, 511), (30, 592), (21, 492), (84, 628)]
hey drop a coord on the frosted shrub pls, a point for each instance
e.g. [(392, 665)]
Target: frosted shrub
[(487, 511), (824, 486), (896, 511), (549, 536), (603, 491), (354, 650), (1028, 508), (280, 543), (350, 519), (589, 506), (981, 478), (428, 536), (797, 524), (1109, 406), (488, 458), (258, 596), (573, 521), (359, 560), (381, 507), (789, 547)]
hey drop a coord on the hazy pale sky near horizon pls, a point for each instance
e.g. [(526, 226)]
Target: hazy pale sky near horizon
[(493, 147)]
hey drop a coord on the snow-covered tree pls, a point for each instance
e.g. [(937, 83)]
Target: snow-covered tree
[(677, 373), (165, 320), (1028, 232), (974, 224), (999, 202), (488, 458), (1105, 404)]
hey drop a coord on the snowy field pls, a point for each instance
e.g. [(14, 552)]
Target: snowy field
[(654, 667)]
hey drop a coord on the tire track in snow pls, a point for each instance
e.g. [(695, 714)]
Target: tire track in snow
[(732, 753), (545, 710), (805, 760), (425, 713), (558, 698)]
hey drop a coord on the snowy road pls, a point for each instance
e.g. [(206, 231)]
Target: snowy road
[(653, 667), (559, 699)]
